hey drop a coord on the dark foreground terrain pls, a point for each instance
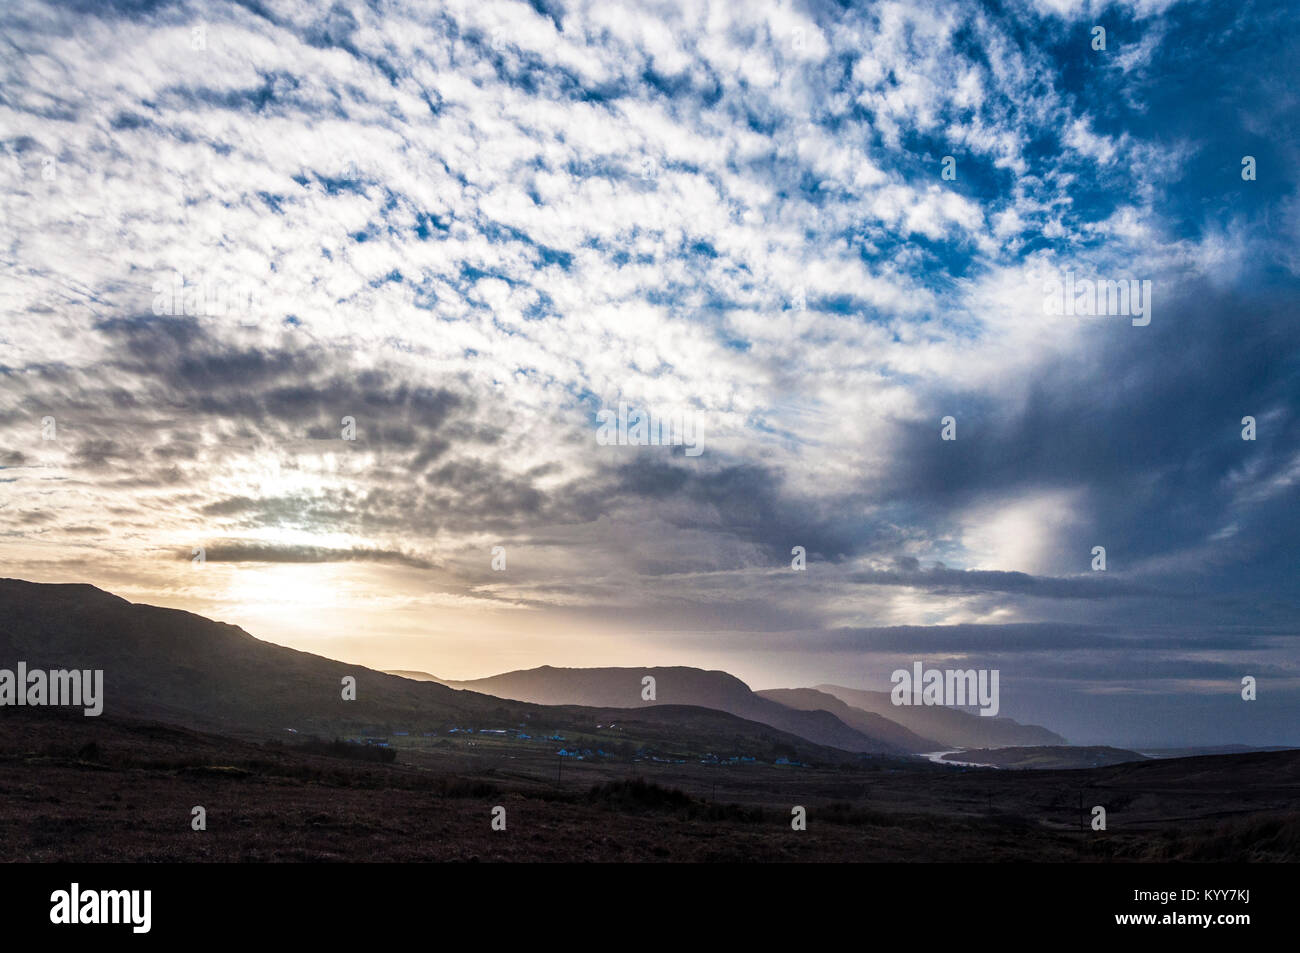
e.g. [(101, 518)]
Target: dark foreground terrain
[(94, 789)]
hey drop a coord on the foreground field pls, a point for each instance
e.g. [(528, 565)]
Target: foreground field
[(78, 789)]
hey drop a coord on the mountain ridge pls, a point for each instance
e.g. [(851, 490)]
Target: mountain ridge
[(181, 668), (621, 686), (951, 727)]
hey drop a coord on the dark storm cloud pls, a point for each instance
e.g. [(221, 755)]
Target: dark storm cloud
[(288, 387), (98, 454), (190, 363), (749, 502), (255, 553), (1149, 424)]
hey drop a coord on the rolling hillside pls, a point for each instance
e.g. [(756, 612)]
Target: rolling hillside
[(182, 669), (622, 687), (950, 727), (809, 699)]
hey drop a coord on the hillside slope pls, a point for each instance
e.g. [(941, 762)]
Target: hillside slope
[(810, 699), (951, 727), (681, 685), (182, 669)]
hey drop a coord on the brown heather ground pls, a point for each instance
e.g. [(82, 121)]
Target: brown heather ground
[(78, 789)]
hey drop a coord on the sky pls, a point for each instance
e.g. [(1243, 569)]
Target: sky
[(307, 309)]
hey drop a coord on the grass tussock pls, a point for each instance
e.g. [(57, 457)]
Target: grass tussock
[(1270, 839)]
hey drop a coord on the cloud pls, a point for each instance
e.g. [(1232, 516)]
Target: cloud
[(468, 229), (246, 553)]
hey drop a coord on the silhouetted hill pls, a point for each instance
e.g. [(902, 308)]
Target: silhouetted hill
[(183, 669), (809, 699), (950, 727), (680, 685), (180, 667)]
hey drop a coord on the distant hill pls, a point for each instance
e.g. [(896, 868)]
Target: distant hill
[(413, 675), (180, 668), (950, 727), (680, 685), (810, 699)]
